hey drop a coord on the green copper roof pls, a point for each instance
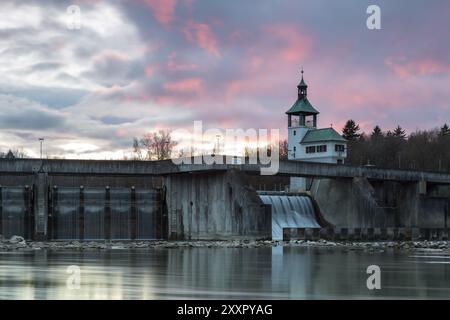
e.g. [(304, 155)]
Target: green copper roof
[(318, 135), (302, 106), (302, 83)]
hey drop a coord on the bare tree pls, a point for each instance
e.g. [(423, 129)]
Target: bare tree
[(154, 146), (283, 145), (137, 152)]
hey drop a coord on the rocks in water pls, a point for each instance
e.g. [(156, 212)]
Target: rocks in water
[(19, 243), (17, 240), (118, 247)]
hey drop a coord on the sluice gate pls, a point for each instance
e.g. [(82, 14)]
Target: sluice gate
[(16, 212), (85, 213), (290, 211)]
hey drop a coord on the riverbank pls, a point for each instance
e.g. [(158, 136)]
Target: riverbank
[(19, 244)]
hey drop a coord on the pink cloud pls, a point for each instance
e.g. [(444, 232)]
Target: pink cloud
[(359, 91), (271, 62), (202, 35), (122, 132), (185, 85), (111, 55), (174, 66), (149, 71), (163, 10), (297, 45), (252, 85), (422, 67), (256, 62)]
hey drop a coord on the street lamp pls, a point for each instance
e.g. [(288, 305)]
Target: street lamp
[(41, 140), (218, 136)]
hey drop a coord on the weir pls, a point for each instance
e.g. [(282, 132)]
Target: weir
[(79, 213), (16, 215), (96, 200), (290, 211), (105, 213)]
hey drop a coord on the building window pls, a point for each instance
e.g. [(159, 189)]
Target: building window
[(339, 147), (295, 149), (322, 148), (311, 149), (339, 161), (295, 132)]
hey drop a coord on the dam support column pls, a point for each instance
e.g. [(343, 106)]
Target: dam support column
[(215, 206), (350, 203), (297, 184), (40, 206)]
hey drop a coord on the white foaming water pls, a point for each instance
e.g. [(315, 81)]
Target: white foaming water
[(290, 212)]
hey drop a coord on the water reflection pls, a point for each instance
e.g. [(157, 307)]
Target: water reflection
[(229, 273)]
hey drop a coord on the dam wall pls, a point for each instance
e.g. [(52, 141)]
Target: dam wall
[(46, 206), (95, 200), (361, 203), (94, 213), (215, 205)]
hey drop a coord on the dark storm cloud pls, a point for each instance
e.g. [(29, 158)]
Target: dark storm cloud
[(115, 70), (23, 114), (53, 97), (116, 120)]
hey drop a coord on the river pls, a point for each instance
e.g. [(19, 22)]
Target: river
[(223, 273)]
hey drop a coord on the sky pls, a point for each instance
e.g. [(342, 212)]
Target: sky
[(137, 66)]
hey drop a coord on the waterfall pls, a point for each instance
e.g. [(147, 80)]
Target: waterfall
[(290, 212)]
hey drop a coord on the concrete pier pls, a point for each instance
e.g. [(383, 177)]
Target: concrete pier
[(41, 205), (216, 205)]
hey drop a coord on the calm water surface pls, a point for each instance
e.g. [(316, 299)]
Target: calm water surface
[(223, 273)]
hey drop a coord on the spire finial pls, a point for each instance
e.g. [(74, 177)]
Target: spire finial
[(302, 87)]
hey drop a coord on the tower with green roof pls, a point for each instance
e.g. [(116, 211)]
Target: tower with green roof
[(305, 141)]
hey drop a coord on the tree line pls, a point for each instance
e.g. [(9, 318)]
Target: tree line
[(159, 145), (427, 150), (153, 146), (13, 154)]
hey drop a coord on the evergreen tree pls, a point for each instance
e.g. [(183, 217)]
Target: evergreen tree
[(351, 131), (399, 132), (376, 132), (445, 130)]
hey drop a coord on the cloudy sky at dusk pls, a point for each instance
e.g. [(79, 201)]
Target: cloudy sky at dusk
[(141, 65)]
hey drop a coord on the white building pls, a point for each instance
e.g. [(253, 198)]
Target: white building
[(306, 142)]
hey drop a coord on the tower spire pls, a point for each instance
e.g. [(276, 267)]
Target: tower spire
[(302, 88)]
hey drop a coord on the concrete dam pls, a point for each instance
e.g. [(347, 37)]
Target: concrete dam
[(132, 200)]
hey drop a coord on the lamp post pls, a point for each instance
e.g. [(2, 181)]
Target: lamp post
[(166, 154), (41, 140), (218, 143)]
